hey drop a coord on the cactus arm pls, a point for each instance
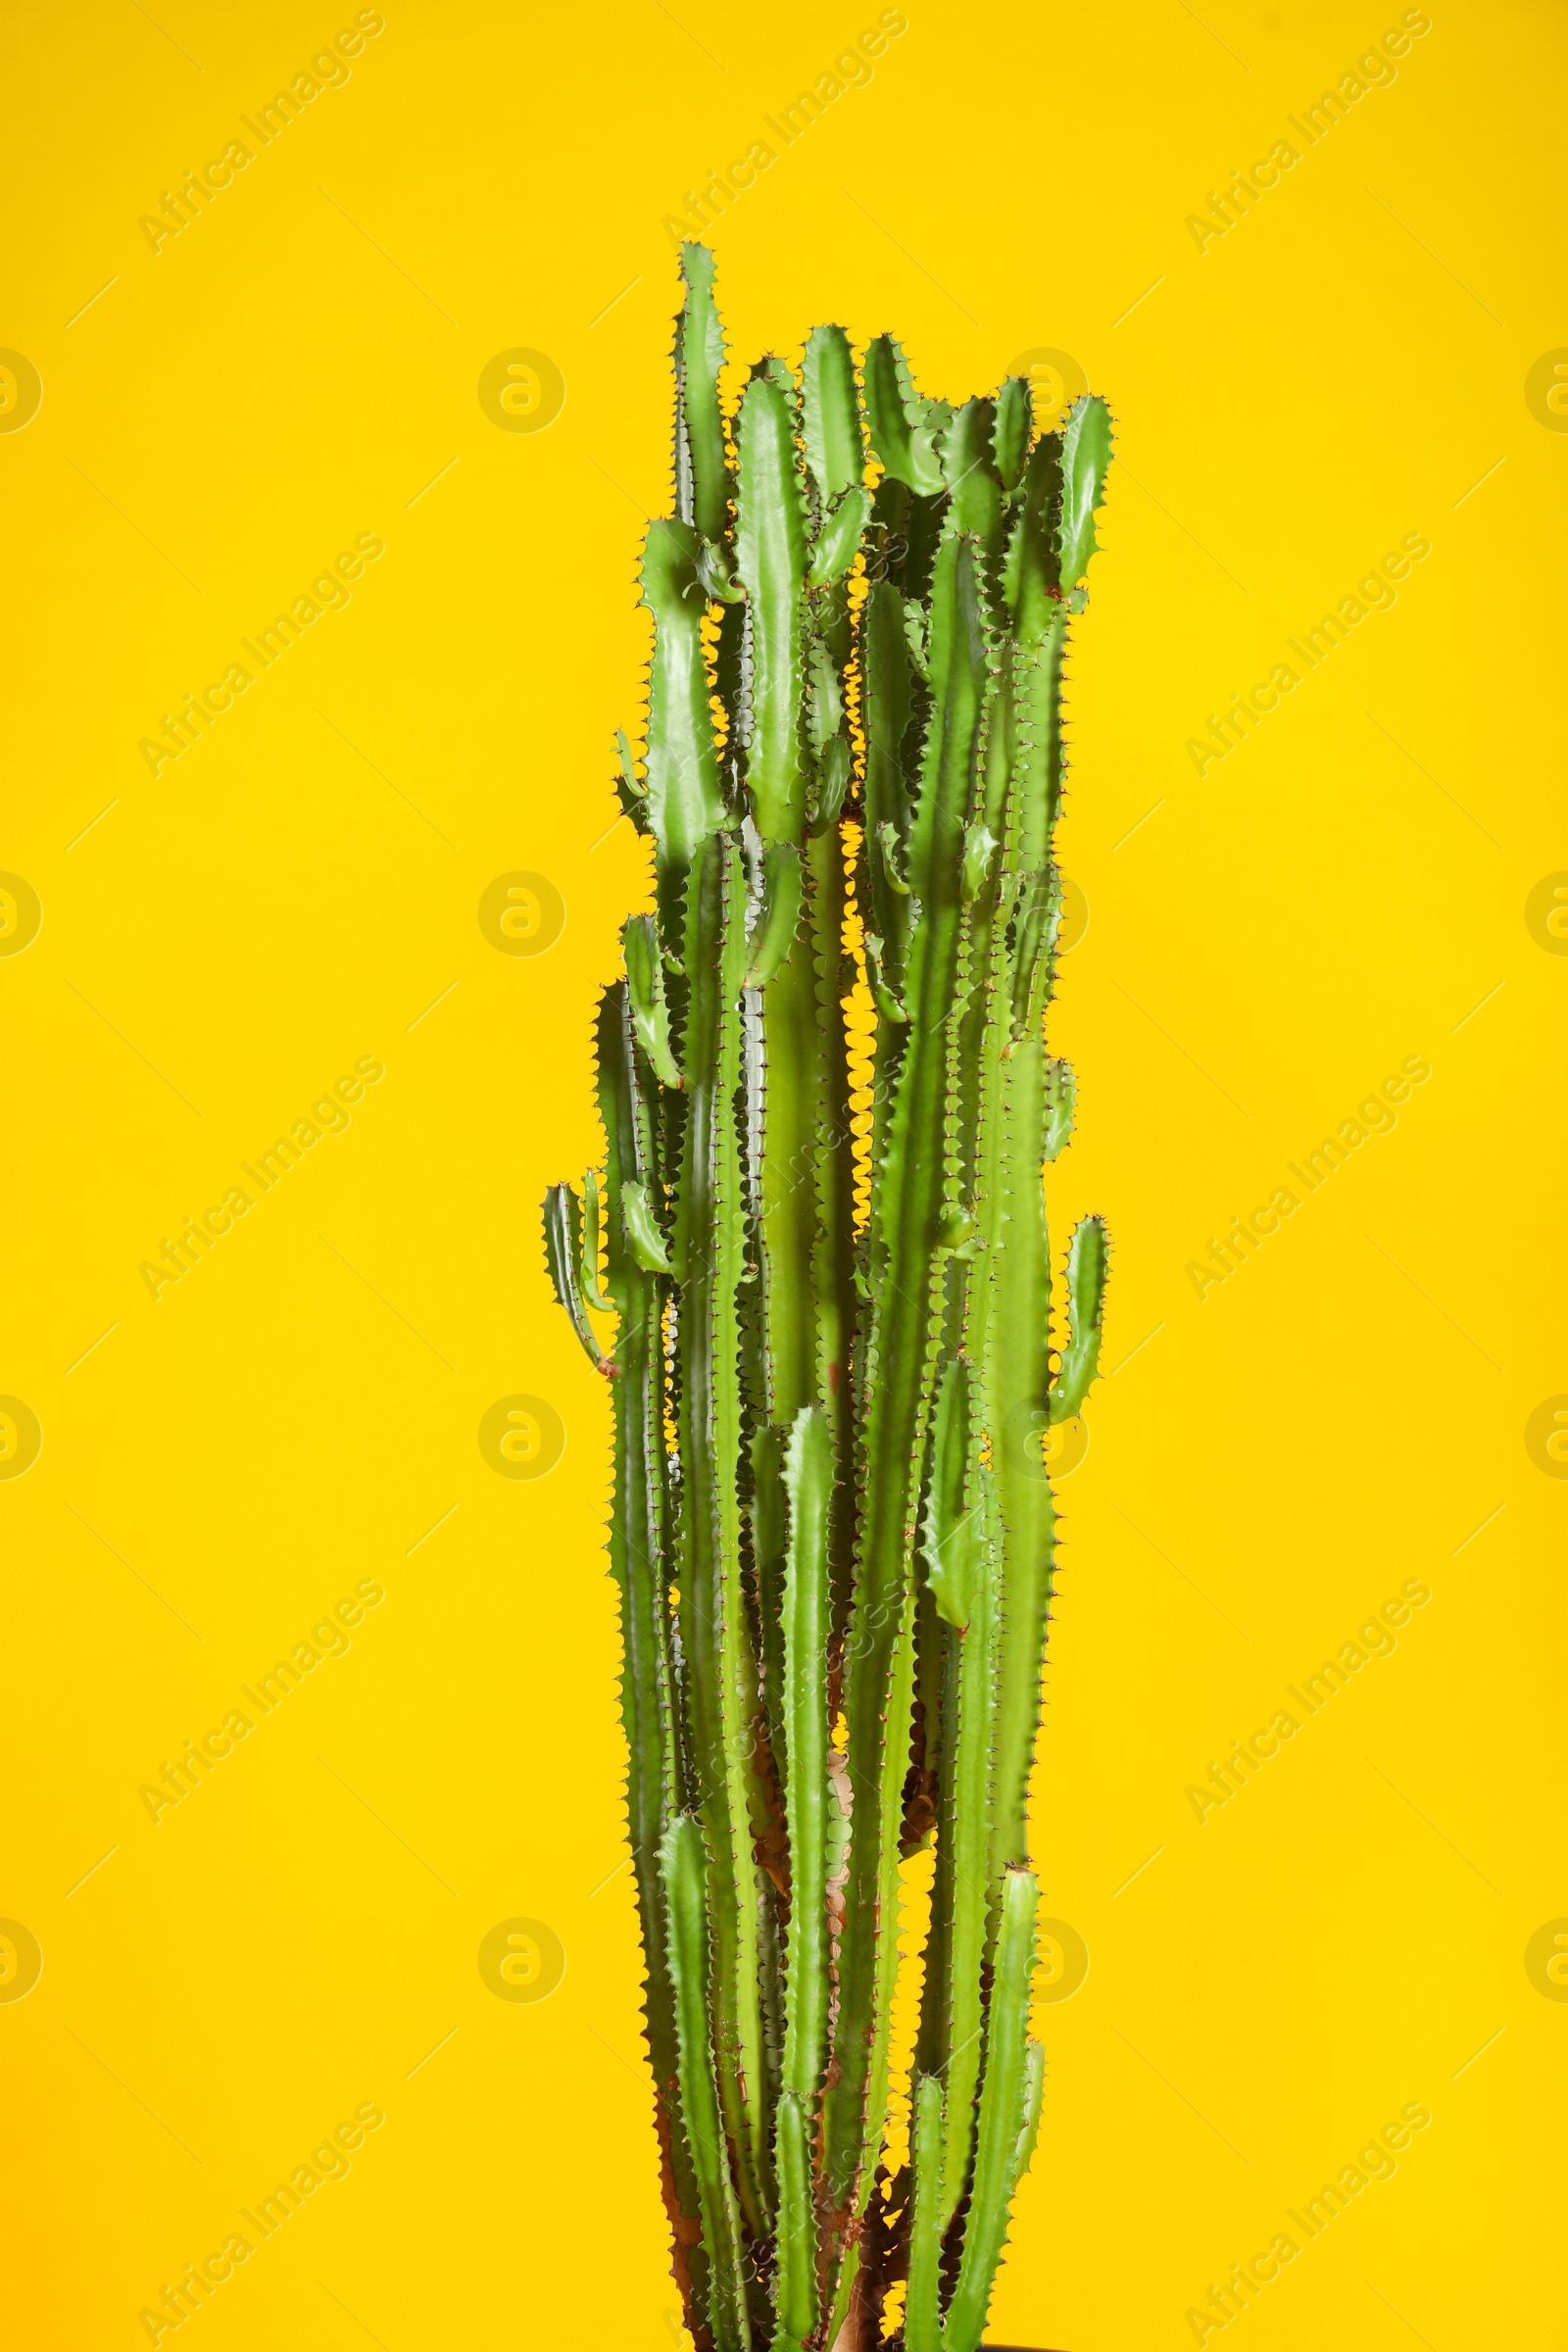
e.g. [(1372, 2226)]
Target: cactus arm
[(1033, 2099), (1010, 2170), (796, 699), (951, 2006), (939, 1665), (838, 542), (723, 1675), (923, 534), (588, 1256), (887, 706), (887, 841), (825, 702), (899, 1380), (902, 425), (1001, 752), (638, 1527), (894, 1015), (732, 681), (637, 1566), (563, 1248), (700, 472), (643, 1229), (628, 783), (685, 1870), (716, 574), (982, 1039), (772, 368), (949, 1535), (980, 845), (770, 559), (649, 1007), (788, 1199), (833, 1182), (701, 946), (1084, 457), (1014, 418), (1017, 1394), (933, 1638), (959, 1562), (783, 890), (769, 1533), (740, 1682), (1053, 542), (833, 756), (1008, 2114), (835, 449), (968, 1827), (833, 772), (637, 1530), (1033, 675), (1086, 1307), (770, 552), (988, 1045), (922, 2328), (970, 476), (886, 1792), (808, 1482), (684, 802), (1032, 562), (1061, 1099), (796, 2303), (1036, 796)]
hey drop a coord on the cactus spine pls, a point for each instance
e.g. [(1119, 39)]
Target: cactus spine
[(832, 1529)]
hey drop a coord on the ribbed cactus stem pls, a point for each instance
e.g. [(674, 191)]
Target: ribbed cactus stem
[(1009, 2112), (801, 1739), (722, 1664), (683, 1864), (638, 1523), (1016, 1391), (922, 2310), (966, 1825), (832, 1529), (899, 1368)]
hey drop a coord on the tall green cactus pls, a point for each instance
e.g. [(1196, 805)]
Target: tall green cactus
[(832, 1528)]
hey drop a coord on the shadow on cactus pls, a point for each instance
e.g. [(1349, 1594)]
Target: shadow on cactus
[(831, 1371)]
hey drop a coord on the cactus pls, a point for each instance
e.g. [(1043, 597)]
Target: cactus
[(831, 1364)]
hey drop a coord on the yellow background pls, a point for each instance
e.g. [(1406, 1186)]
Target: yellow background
[(299, 887)]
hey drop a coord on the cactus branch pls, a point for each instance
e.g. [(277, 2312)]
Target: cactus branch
[(922, 2325), (1010, 2109), (684, 1865), (1086, 1303), (564, 1245)]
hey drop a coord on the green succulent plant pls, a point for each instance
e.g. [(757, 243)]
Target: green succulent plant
[(825, 1252)]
